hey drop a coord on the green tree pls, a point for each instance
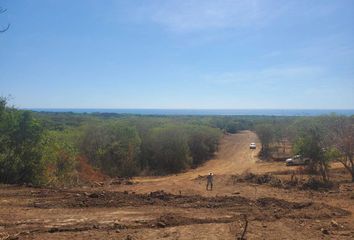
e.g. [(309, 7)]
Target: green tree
[(114, 147), (341, 137), (169, 149), (59, 156), (21, 148), (202, 142), (309, 144), (281, 133), (265, 134)]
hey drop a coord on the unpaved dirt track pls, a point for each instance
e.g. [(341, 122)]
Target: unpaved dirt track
[(234, 157), (185, 210)]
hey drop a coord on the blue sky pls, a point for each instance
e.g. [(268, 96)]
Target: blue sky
[(178, 54)]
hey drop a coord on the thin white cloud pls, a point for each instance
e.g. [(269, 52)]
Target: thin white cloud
[(195, 15), (268, 75), (199, 15)]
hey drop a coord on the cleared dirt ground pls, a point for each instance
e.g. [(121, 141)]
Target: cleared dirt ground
[(179, 207)]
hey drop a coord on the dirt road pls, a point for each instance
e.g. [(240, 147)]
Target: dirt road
[(179, 207), (234, 156)]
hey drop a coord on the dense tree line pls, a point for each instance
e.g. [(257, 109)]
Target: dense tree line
[(114, 147), (121, 148), (43, 148)]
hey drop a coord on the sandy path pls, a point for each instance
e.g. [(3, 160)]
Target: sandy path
[(234, 157)]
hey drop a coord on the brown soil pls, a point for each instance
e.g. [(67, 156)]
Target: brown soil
[(179, 207)]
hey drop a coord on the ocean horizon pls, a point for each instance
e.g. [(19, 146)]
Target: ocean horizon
[(201, 112)]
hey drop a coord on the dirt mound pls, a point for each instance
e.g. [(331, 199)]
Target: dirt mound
[(266, 209), (300, 210), (172, 219), (270, 179), (315, 184), (279, 203), (121, 181), (74, 199), (257, 179), (160, 195)]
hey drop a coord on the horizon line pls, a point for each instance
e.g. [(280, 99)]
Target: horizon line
[(117, 108)]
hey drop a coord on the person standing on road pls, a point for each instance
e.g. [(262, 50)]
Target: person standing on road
[(209, 182)]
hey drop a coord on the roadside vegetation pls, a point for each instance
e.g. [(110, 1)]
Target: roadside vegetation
[(58, 148), (322, 139), (52, 148)]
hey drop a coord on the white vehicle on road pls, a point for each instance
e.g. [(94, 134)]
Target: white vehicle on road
[(297, 160), (252, 146)]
